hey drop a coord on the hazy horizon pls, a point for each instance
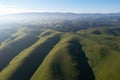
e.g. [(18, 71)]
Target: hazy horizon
[(63, 6)]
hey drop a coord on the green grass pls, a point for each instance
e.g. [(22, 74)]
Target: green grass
[(63, 61), (58, 64), (103, 54), (55, 55), (13, 46), (27, 57)]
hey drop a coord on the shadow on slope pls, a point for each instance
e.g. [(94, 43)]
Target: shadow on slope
[(66, 61), (30, 64), (85, 72), (13, 47)]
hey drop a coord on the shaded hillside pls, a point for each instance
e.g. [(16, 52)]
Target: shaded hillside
[(66, 61), (103, 54), (44, 54), (32, 55), (13, 46)]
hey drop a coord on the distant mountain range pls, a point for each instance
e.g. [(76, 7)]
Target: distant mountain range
[(68, 19), (68, 16)]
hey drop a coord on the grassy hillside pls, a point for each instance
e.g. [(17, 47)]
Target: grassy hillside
[(103, 54), (66, 61), (14, 45), (44, 54)]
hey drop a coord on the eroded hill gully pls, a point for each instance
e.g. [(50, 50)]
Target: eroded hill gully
[(33, 61), (85, 71)]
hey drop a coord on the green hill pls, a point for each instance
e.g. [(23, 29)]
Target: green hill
[(45, 54)]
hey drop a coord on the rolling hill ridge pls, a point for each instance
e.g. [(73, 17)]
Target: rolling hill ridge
[(55, 55), (60, 46)]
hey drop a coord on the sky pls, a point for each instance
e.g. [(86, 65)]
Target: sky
[(73, 6)]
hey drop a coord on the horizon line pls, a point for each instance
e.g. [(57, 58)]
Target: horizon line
[(64, 12)]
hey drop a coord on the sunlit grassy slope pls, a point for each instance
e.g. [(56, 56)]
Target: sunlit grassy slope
[(33, 54), (103, 52)]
